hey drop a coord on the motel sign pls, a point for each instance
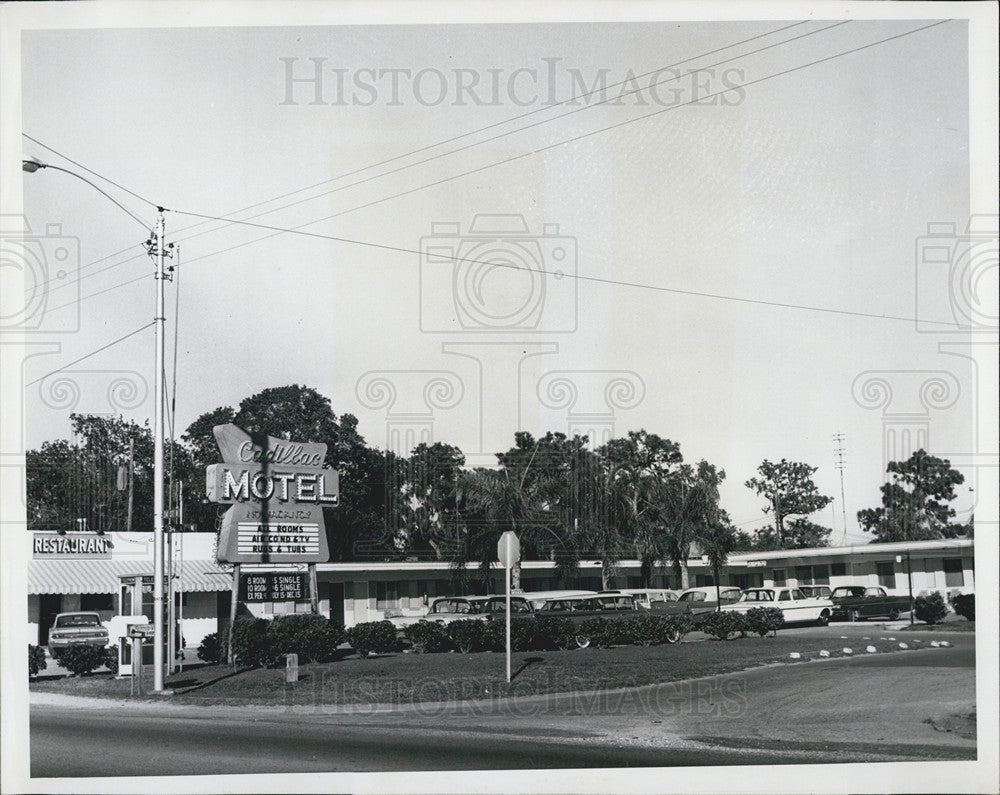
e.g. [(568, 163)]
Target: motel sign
[(276, 490)]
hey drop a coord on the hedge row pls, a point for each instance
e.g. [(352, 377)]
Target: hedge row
[(930, 609), (258, 642), (725, 624), (546, 633), (36, 660)]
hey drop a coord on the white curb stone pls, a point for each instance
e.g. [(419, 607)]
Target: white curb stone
[(870, 649), (795, 655), (903, 646), (824, 653), (848, 650)]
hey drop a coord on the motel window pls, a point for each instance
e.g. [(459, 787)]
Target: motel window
[(838, 569), (821, 575), (386, 595), (954, 577), (778, 575), (803, 574), (886, 571)]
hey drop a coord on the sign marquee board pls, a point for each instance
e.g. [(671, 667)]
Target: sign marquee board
[(277, 490), (273, 587)]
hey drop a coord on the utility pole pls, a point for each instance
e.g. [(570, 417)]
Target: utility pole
[(131, 477), (158, 425), (838, 452)]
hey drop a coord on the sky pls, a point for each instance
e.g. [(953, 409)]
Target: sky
[(746, 273)]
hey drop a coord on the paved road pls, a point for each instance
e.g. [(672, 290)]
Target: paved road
[(881, 707)]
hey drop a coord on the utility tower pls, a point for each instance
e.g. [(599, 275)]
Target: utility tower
[(838, 461)]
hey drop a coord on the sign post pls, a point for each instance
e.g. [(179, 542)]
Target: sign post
[(508, 553)]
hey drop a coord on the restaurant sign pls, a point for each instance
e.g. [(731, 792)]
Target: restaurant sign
[(277, 490), (72, 545)]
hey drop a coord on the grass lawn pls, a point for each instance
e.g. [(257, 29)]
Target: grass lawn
[(405, 678), (947, 626)]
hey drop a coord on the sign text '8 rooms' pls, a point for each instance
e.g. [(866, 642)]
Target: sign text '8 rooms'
[(273, 587)]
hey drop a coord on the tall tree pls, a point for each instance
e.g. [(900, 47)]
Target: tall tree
[(690, 513), (430, 499), (789, 490), (637, 467), (915, 501)]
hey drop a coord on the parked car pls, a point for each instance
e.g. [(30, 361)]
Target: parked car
[(73, 629), (538, 598), (706, 600), (854, 602), (443, 610), (816, 591), (657, 600), (497, 605), (794, 605), (582, 608)]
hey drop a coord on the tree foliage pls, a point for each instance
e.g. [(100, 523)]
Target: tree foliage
[(789, 490), (915, 501)]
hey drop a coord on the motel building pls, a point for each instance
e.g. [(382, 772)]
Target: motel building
[(112, 574)]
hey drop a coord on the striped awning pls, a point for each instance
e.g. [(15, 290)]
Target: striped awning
[(104, 576)]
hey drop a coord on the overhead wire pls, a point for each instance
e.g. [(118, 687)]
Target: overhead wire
[(92, 353), (428, 147), (300, 228)]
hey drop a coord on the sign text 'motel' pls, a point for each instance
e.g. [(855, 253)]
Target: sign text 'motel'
[(277, 490)]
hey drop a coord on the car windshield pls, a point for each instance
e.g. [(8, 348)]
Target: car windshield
[(844, 592), (78, 621)]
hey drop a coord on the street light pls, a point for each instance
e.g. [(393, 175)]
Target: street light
[(30, 166)]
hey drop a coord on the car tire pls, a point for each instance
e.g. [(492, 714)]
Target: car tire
[(582, 641), (854, 616), (673, 636), (893, 614), (824, 618)]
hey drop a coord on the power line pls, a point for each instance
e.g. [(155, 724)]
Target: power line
[(89, 171), (573, 98), (92, 353), (601, 280)]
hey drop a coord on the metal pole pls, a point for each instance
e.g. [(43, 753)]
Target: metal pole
[(507, 577), (909, 582), (131, 479), (230, 657), (180, 588), (313, 590), (158, 398)]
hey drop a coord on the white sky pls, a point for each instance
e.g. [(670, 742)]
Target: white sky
[(811, 188)]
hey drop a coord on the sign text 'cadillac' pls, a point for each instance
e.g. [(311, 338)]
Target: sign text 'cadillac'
[(277, 490)]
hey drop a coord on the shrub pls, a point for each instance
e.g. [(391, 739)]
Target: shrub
[(931, 608), (252, 643), (601, 632), (428, 637), (468, 634), (764, 620), (81, 658), (677, 626), (214, 649), (36, 660), (965, 605), (111, 659), (312, 637), (369, 637), (523, 634), (722, 624), (555, 632), (644, 629)]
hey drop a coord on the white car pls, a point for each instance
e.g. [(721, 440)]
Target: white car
[(794, 605)]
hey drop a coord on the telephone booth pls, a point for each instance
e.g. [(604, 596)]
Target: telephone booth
[(136, 592)]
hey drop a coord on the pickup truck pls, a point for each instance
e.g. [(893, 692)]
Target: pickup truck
[(854, 602)]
